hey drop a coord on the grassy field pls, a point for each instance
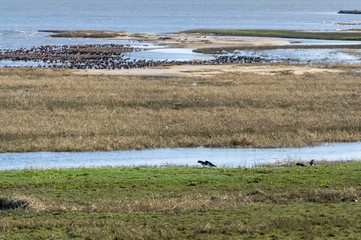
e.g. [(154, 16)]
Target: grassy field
[(321, 202), (54, 110), (332, 35)]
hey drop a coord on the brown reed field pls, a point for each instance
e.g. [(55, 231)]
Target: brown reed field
[(55, 110)]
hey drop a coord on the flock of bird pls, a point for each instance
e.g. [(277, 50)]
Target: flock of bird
[(209, 164), (312, 163), (100, 56)]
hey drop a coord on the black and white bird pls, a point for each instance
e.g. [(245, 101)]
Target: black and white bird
[(312, 163), (206, 164), (202, 163)]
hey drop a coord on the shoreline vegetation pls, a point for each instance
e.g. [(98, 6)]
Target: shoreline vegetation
[(182, 203), (83, 33), (346, 35), (57, 110), (260, 48), (349, 12), (350, 35)]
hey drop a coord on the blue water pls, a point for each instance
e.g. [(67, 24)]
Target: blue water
[(21, 19)]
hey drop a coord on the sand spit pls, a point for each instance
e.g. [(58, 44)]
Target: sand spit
[(173, 40)]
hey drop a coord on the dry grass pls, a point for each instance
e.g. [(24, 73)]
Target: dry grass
[(189, 202), (226, 201), (45, 110), (22, 202)]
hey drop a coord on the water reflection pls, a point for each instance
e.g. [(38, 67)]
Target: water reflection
[(248, 157)]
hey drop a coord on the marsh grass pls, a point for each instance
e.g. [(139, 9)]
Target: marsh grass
[(138, 35), (160, 203), (84, 34), (49, 110)]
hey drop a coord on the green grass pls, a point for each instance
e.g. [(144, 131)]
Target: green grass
[(354, 36), (183, 203)]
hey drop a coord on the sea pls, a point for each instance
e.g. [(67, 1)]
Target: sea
[(160, 16)]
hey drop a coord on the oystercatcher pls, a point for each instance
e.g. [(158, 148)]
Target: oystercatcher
[(312, 163), (206, 164)]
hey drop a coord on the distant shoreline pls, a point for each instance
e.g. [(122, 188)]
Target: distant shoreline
[(177, 40), (213, 40), (346, 35), (349, 12)]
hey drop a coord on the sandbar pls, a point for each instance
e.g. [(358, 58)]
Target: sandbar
[(184, 41), (173, 40)]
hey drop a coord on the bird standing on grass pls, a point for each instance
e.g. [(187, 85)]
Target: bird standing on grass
[(206, 164), (300, 164), (202, 163), (312, 163), (209, 164)]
